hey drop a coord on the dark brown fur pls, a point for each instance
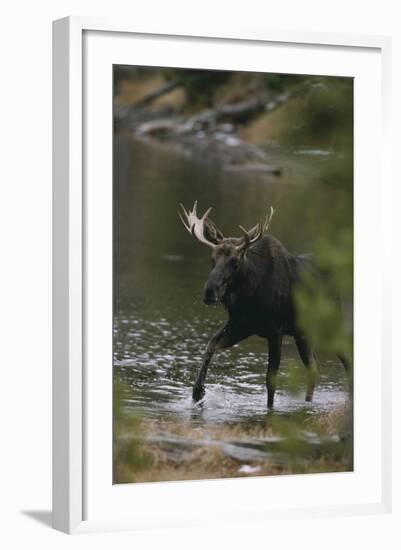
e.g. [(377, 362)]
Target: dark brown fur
[(256, 288)]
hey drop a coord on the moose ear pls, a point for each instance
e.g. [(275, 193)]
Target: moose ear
[(212, 232)]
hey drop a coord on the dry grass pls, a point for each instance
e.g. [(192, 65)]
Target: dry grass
[(175, 100), (205, 458), (132, 91), (218, 432), (204, 463), (239, 86), (330, 422)]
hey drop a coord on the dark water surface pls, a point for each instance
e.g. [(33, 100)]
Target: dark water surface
[(161, 325)]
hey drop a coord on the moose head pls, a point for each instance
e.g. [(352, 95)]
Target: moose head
[(228, 253)]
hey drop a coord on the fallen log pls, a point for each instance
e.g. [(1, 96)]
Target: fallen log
[(123, 114), (240, 112), (157, 127), (254, 167), (233, 112)]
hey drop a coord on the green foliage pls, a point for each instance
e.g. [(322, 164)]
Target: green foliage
[(319, 308), (307, 444), (199, 85), (295, 377), (329, 106), (319, 111), (129, 453), (276, 82), (325, 304)]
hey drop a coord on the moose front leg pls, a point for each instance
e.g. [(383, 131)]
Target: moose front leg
[(222, 339), (275, 342)]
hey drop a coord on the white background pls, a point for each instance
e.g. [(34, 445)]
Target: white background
[(25, 220)]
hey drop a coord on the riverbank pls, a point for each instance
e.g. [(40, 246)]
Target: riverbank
[(235, 122), (172, 450)]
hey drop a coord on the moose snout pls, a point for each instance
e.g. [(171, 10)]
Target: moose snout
[(210, 295)]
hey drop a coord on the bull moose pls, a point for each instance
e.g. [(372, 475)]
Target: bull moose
[(253, 277)]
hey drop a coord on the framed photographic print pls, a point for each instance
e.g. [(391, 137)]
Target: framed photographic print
[(218, 321)]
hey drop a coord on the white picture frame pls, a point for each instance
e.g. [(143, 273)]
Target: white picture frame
[(74, 204)]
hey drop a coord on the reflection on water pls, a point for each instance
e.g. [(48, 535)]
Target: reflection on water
[(160, 324), (158, 360)]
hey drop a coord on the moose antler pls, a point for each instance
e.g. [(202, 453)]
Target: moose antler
[(202, 228), (256, 232), (268, 219), (206, 232)]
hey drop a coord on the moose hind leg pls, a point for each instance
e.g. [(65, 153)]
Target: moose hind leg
[(348, 369), (272, 368), (346, 364), (223, 338), (310, 363)]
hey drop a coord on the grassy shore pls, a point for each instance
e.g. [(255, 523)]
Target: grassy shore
[(164, 450)]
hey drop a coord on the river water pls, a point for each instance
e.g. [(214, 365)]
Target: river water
[(161, 325)]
